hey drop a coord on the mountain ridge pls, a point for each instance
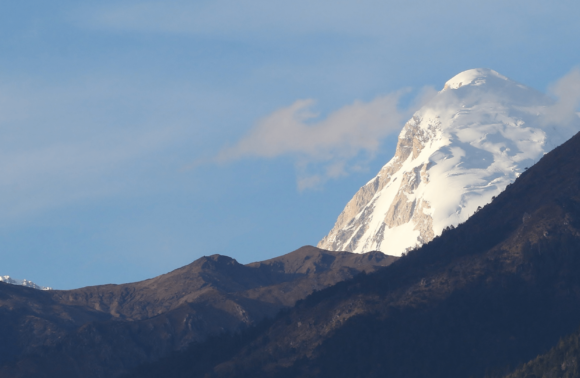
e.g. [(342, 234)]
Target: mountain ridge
[(143, 321), (497, 290)]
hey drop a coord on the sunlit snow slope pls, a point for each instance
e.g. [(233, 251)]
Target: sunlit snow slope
[(457, 152)]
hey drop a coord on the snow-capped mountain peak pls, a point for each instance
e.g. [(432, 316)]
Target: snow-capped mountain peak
[(474, 77), (24, 282), (458, 151)]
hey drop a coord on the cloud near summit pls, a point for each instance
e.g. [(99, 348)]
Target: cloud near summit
[(323, 148), (567, 92)]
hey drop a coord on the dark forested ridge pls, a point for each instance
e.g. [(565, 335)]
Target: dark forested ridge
[(484, 297), (562, 361), (101, 331)]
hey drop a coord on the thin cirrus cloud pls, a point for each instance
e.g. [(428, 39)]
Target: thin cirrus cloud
[(327, 148), (500, 20), (227, 16), (57, 148), (54, 174)]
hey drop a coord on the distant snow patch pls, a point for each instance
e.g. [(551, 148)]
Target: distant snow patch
[(24, 282)]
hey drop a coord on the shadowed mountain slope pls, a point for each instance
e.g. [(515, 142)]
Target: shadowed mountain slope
[(562, 361), (494, 292), (29, 318), (119, 326)]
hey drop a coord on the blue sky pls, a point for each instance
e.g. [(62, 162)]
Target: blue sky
[(138, 136)]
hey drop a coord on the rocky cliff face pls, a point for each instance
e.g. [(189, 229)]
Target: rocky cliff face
[(461, 149)]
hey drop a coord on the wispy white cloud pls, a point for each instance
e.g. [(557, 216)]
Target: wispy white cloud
[(322, 148), (567, 93)]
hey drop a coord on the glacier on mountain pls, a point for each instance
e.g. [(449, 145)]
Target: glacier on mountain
[(462, 148), (24, 282)]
